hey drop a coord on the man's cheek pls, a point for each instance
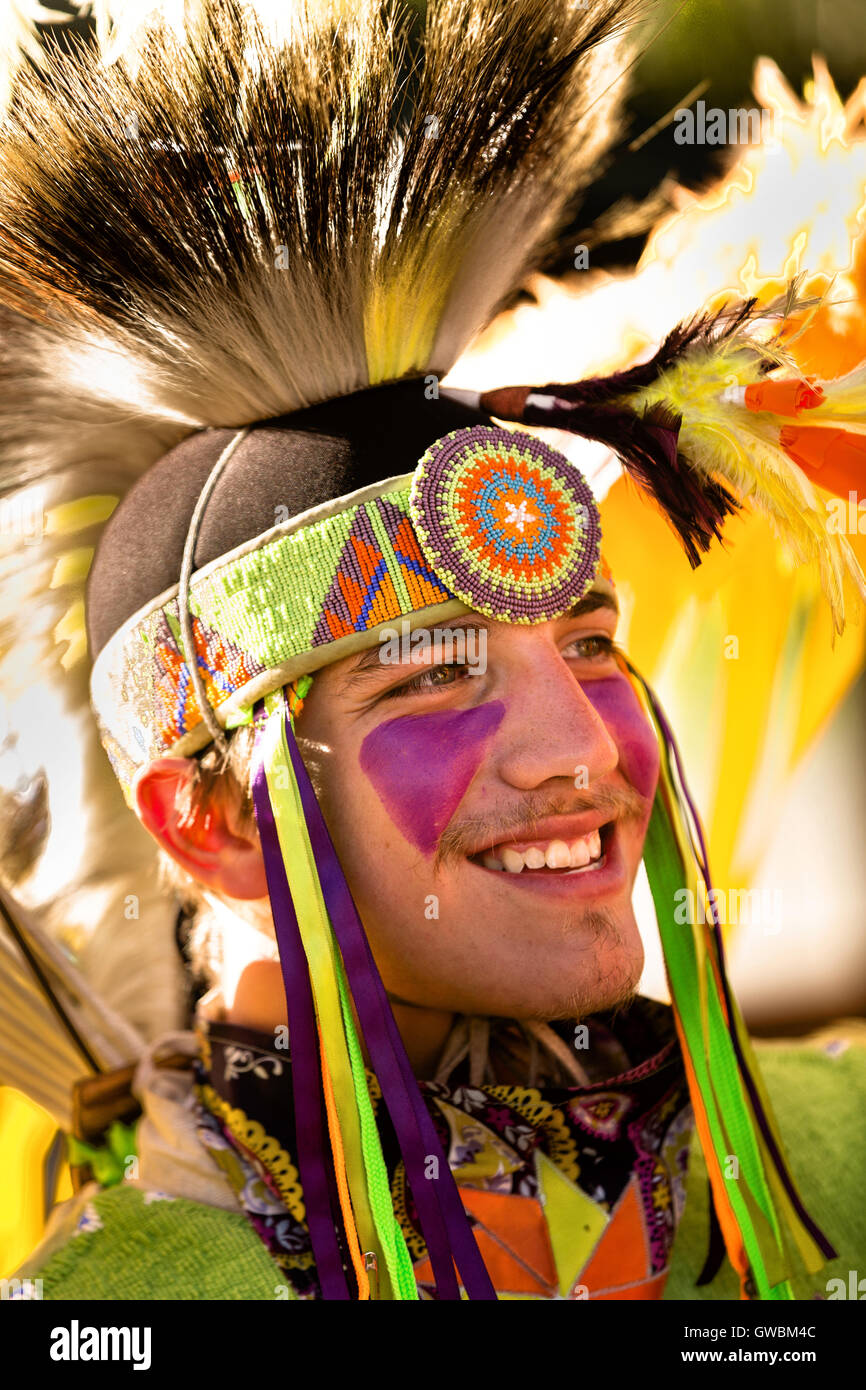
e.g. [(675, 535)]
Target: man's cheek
[(615, 702), (421, 766)]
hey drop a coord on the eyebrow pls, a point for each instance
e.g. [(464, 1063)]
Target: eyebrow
[(589, 604)]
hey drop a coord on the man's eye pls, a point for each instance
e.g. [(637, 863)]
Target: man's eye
[(595, 648), (431, 679)]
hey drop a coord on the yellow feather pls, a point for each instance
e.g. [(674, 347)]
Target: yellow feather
[(723, 439), (71, 567), (78, 515), (71, 630), (845, 399)]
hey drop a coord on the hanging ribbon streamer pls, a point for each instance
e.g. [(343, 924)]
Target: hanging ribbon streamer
[(742, 1045), (336, 960), (756, 1201), (306, 1072), (374, 1223), (447, 1233)]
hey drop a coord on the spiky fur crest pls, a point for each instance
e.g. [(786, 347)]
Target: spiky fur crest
[(231, 227)]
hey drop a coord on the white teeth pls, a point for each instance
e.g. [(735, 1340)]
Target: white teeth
[(580, 855), (491, 862), (512, 860), (557, 855)]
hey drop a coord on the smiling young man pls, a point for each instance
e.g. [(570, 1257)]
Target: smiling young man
[(504, 804), (423, 1070), (515, 800)]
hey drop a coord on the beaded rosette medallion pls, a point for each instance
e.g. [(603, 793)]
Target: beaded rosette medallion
[(507, 523)]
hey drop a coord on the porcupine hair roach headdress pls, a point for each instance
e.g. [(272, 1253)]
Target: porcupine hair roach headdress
[(250, 243)]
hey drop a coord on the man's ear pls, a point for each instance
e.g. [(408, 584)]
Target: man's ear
[(209, 844)]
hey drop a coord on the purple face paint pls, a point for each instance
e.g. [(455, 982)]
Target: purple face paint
[(614, 700), (421, 766)]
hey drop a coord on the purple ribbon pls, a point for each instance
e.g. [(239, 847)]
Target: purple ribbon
[(303, 1040), (447, 1232), (787, 1182)]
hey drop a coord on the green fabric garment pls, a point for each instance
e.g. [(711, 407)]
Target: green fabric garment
[(820, 1102), (131, 1244), (136, 1245)]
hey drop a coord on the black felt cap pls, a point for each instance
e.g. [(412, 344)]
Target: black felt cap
[(292, 463)]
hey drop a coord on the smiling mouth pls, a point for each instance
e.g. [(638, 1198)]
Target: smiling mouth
[(583, 854)]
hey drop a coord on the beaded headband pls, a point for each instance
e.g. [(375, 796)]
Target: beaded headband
[(492, 520)]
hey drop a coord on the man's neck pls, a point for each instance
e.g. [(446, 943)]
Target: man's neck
[(424, 1033), (259, 1002)]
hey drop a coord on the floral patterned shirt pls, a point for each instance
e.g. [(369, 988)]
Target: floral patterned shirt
[(572, 1191)]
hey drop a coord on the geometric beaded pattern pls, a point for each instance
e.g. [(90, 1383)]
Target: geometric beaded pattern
[(364, 591), (346, 573), (222, 665), (507, 523)]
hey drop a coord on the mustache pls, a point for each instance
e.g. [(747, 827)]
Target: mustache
[(476, 833)]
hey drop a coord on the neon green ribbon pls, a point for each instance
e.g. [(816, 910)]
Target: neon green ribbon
[(365, 1166)]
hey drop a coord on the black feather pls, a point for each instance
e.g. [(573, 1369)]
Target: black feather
[(647, 443)]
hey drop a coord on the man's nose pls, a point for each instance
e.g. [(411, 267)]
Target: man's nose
[(553, 730)]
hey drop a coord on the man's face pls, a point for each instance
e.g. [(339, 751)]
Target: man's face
[(490, 825)]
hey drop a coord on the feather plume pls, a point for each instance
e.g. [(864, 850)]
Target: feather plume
[(222, 212), (843, 401), (683, 428), (722, 439)]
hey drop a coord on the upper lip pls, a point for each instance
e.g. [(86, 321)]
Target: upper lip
[(567, 828)]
